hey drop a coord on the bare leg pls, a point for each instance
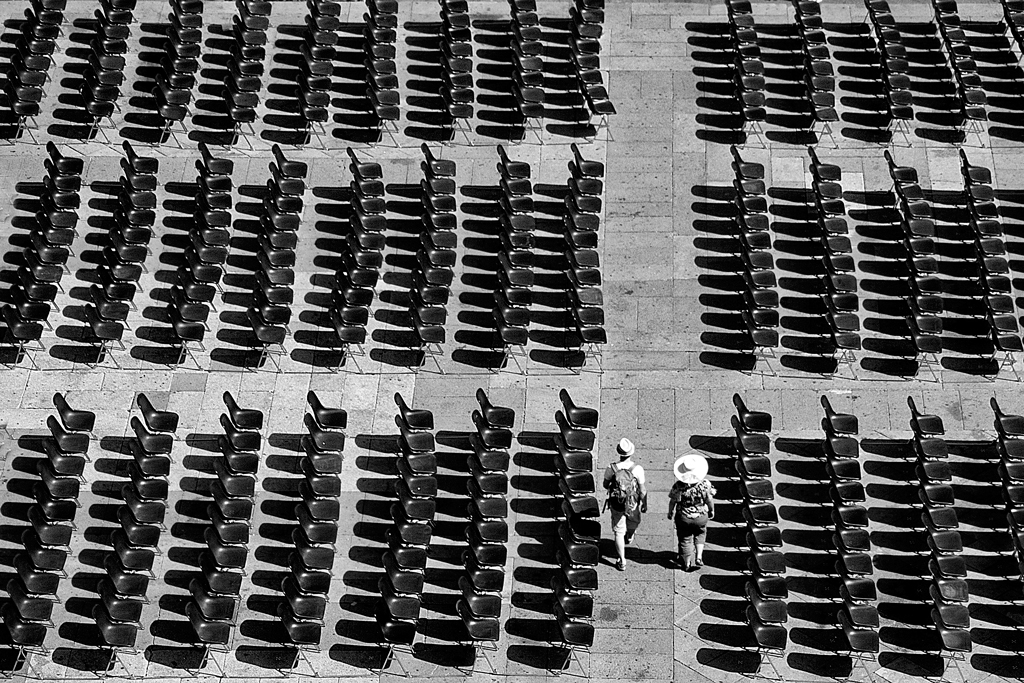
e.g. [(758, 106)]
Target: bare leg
[(620, 546), (700, 553)]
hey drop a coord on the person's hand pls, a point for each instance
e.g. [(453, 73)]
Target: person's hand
[(670, 515), (643, 509)]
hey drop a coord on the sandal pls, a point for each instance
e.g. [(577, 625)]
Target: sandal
[(620, 565)]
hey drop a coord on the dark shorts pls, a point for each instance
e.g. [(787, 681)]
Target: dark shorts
[(694, 528)]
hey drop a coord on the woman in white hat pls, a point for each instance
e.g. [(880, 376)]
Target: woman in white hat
[(691, 503)]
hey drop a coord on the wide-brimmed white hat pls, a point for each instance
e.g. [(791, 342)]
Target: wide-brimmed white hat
[(625, 448), (690, 468)]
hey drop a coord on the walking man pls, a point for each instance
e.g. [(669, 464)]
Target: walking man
[(627, 497)]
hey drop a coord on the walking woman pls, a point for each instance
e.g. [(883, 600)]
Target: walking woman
[(691, 504)]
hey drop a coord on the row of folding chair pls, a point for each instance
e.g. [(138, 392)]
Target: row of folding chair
[(379, 38), (46, 546), (179, 65), (355, 281), (30, 64), (405, 560), (766, 591), (1013, 22), (136, 545), (316, 68), (1009, 445), (103, 77), (754, 244), (858, 617), (839, 276), (434, 272), (484, 561), (819, 76), (892, 55), (302, 612), (527, 73), (992, 267), (126, 249), (579, 530), (270, 313), (513, 297), (193, 294), (245, 67), (45, 260), (748, 70), (948, 592), (581, 220), (586, 27), (965, 70), (215, 594), (924, 324), (456, 60)]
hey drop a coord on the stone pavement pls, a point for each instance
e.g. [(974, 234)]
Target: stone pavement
[(667, 383)]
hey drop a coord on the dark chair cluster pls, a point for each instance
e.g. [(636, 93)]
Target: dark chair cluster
[(581, 220), (761, 298), (433, 274), (405, 561), (46, 546), (579, 530), (46, 257), (949, 591), (129, 567), (924, 324), (892, 55), (306, 588), (766, 589), (1013, 21), (819, 77), (973, 115), (1009, 430), (456, 46), (514, 296), (356, 279), (841, 298), (748, 71), (858, 617), (992, 267), (245, 67), (180, 63), (216, 592), (527, 74), (270, 311), (317, 67), (587, 26), (104, 76), (487, 532), (30, 65), (125, 252), (380, 35), (198, 279)]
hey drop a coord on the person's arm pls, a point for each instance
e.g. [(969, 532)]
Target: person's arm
[(711, 505), (643, 491), (671, 504)]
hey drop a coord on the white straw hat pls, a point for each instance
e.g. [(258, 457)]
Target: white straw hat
[(690, 468), (625, 448)]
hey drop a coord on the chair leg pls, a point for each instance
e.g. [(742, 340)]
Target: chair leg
[(845, 357), (117, 659), (431, 351), (509, 353), (766, 354), (754, 128), (1007, 361), (928, 361), (391, 655), (209, 658), (571, 654), (902, 127), (826, 129)]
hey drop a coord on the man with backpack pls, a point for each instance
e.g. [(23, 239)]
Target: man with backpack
[(627, 497)]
